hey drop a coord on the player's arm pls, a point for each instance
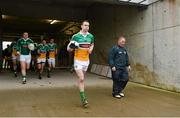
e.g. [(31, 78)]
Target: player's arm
[(18, 47), (70, 43), (35, 45), (92, 45), (68, 47), (91, 48), (56, 50), (38, 49)]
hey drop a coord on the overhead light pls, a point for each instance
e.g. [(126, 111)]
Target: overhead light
[(53, 21), (50, 21)]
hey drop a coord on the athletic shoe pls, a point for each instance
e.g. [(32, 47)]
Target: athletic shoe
[(121, 94), (24, 81), (85, 103), (15, 74), (48, 76), (117, 96), (40, 76)]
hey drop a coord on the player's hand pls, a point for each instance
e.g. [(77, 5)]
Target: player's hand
[(90, 51), (113, 68), (18, 53), (70, 49)]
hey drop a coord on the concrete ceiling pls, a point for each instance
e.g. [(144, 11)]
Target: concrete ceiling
[(68, 9), (32, 15), (13, 26)]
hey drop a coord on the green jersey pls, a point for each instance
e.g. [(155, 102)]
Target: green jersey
[(14, 46), (85, 42), (52, 50), (42, 50), (23, 46), (81, 39)]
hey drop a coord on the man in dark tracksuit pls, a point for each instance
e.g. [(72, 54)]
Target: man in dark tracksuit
[(119, 63)]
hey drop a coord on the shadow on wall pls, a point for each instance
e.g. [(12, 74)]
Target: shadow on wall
[(143, 74), (139, 74)]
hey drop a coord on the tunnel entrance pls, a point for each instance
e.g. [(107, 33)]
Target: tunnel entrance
[(5, 44), (60, 19), (38, 29), (44, 19), (152, 41)]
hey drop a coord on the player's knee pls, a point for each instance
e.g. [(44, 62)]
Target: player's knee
[(81, 80), (28, 67)]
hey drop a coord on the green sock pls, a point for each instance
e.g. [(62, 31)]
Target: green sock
[(82, 96)]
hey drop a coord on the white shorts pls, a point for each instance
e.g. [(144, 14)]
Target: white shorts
[(25, 58), (51, 61), (15, 57), (41, 60), (81, 65)]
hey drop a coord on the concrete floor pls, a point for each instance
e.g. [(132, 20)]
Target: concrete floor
[(59, 96)]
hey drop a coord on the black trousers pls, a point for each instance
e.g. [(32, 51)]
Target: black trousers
[(120, 80)]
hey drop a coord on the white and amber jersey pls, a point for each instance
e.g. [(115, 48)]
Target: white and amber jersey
[(85, 41), (52, 50)]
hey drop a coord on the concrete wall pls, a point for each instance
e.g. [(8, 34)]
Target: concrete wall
[(152, 40)]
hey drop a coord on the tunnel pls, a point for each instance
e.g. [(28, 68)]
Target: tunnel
[(151, 28)]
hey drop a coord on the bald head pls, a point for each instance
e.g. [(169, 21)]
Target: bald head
[(121, 41)]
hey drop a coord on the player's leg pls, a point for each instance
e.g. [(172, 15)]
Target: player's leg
[(14, 59), (42, 66), (85, 67), (51, 65), (23, 68), (39, 68), (80, 73), (28, 61), (18, 63), (49, 68)]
